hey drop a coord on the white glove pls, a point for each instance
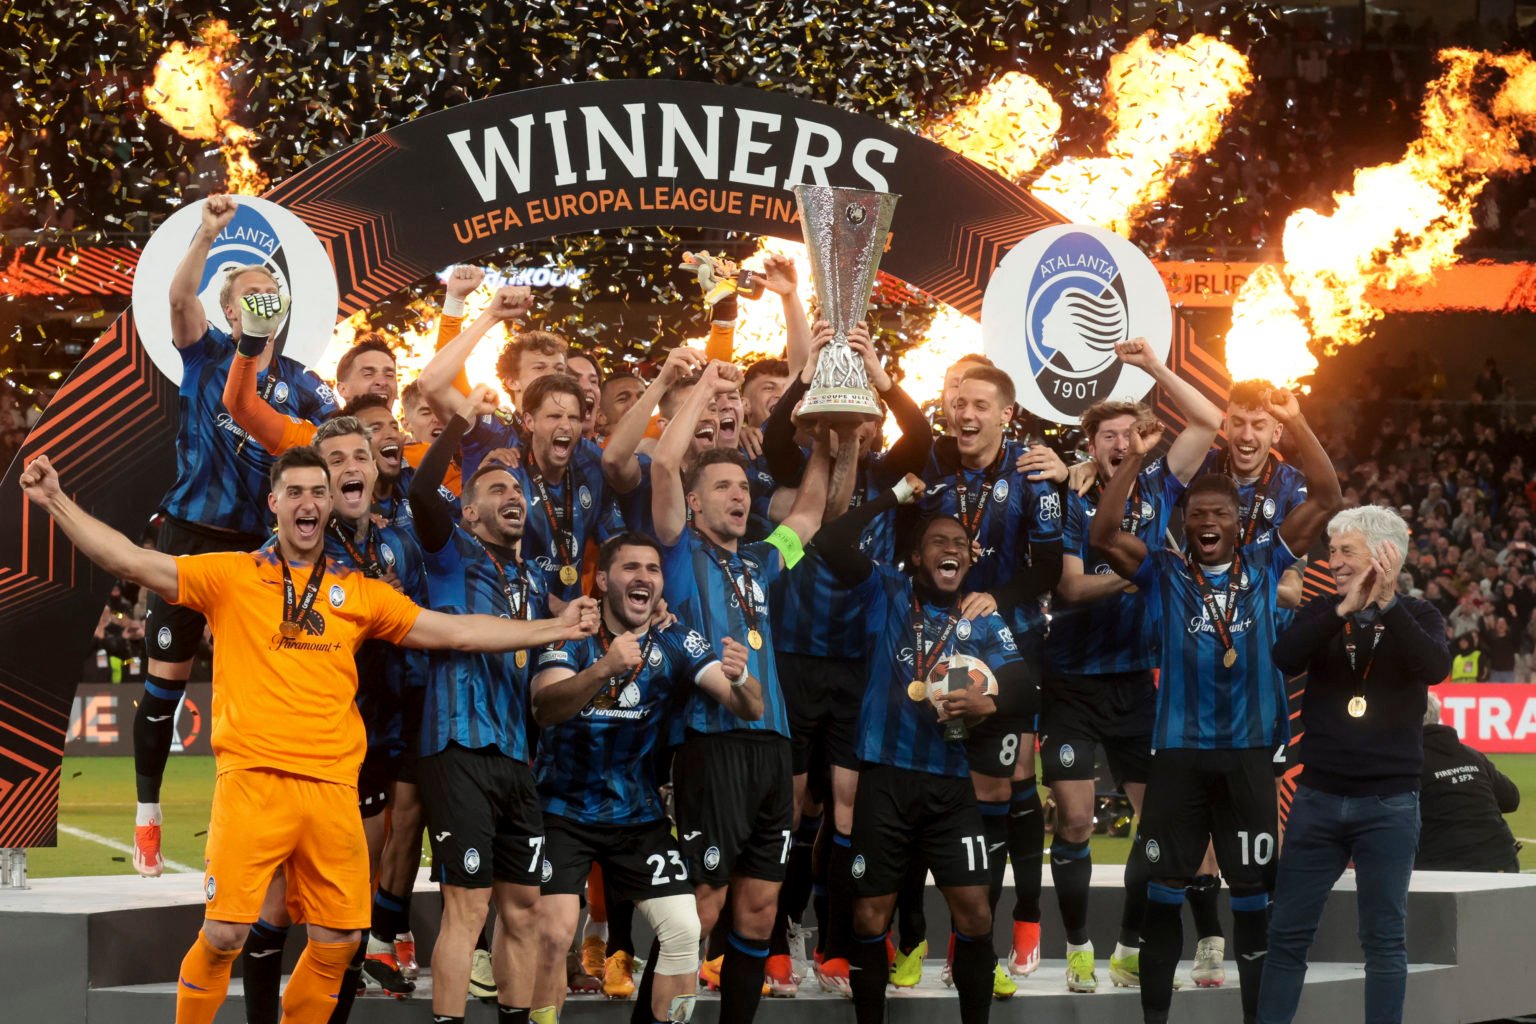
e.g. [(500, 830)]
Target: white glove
[(262, 314)]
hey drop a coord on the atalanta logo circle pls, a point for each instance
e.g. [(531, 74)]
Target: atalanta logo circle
[(1000, 491), (388, 554), (712, 858), (472, 861), (963, 629), (280, 393), (1154, 852), (1269, 509), (338, 595), (548, 873), (210, 888), (1056, 307), (859, 866), (654, 657), (163, 638), (1067, 756), (584, 496)]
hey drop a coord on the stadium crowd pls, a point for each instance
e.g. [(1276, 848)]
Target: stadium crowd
[(517, 627)]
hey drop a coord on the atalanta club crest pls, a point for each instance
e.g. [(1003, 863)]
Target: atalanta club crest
[(1057, 306)]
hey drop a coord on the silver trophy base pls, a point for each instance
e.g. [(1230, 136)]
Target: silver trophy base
[(839, 405)]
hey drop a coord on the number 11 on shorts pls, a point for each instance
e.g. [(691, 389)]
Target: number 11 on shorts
[(975, 848)]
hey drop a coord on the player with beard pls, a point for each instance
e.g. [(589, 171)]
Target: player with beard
[(915, 800), (602, 704), (1004, 493), (734, 785), (287, 735), (1221, 704), (1099, 686), (483, 814), (368, 368), (218, 501), (819, 630)]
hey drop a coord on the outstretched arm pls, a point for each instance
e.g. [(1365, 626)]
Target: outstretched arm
[(780, 277), (432, 512), (1122, 549), (669, 505), (1204, 420), (621, 467), (439, 631), (271, 429), (437, 378), (805, 515), (462, 280), (188, 318), (837, 542), (1324, 495), (94, 539)]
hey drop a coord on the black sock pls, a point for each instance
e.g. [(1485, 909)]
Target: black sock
[(511, 1014), (1026, 844), (795, 894), (868, 971), (741, 977), (347, 994), (1136, 876), (1250, 938), (1162, 940), (911, 914), (621, 924), (443, 1018), (154, 726), (821, 905), (261, 964), (778, 938), (1072, 870), (642, 1014), (821, 857), (994, 827), (839, 898), (484, 940), (389, 917), (1202, 896), (974, 965)]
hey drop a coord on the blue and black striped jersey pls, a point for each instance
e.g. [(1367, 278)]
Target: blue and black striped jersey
[(1201, 703), (221, 473), (599, 766), (479, 700), (1110, 636), (893, 728)]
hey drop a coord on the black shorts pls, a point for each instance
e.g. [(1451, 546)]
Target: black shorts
[(483, 817), (172, 632), (901, 817), (376, 780), (412, 703), (734, 797), (639, 861), (1226, 797), (994, 747), (1117, 711), (823, 696)]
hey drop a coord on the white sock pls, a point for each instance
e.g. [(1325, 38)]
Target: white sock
[(1123, 951), (148, 814), (1071, 948)]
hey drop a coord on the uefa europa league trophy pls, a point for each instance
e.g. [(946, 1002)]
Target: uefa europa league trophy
[(845, 231)]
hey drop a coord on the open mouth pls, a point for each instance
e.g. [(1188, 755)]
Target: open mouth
[(728, 425), (738, 515), (389, 451), (511, 514), (1207, 541), (562, 444), (638, 597), (1247, 451), (948, 571), (436, 432), (352, 489), (308, 526), (969, 432), (705, 433)]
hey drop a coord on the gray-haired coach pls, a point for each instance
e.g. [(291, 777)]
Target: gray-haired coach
[(1370, 655)]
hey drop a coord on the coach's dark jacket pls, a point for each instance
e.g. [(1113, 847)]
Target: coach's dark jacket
[(1463, 804), (1381, 753)]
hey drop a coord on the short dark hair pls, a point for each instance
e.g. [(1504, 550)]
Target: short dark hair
[(1215, 483), (303, 457), (373, 341), (714, 457), (467, 492), (616, 378), (1249, 394), (590, 357), (764, 368), (552, 384), (997, 378), (926, 523), (368, 400), (510, 363), (1109, 409), (628, 539), (973, 357)]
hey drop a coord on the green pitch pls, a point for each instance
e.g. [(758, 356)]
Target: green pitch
[(96, 797)]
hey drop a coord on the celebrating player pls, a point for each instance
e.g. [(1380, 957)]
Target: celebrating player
[(287, 734), (602, 704), (1221, 705)]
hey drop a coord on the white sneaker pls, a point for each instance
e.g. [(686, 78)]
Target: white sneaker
[(482, 981), (799, 950), (1209, 970)]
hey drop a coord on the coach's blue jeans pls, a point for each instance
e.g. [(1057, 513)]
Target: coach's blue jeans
[(1323, 833)]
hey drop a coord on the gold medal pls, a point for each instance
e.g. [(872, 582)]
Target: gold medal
[(1131, 589), (1230, 658), (521, 659), (569, 575), (1357, 707), (754, 640), (603, 701), (289, 629), (917, 689)]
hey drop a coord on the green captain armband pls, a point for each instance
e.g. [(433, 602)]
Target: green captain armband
[(788, 543)]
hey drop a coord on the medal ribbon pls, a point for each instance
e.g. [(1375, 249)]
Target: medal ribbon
[(368, 558), (971, 518), (1221, 623), (1260, 492), (1370, 658), (922, 664), (748, 609), (604, 640), (296, 615), (564, 538), (506, 584)]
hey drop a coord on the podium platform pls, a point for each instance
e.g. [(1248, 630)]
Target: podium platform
[(106, 949)]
